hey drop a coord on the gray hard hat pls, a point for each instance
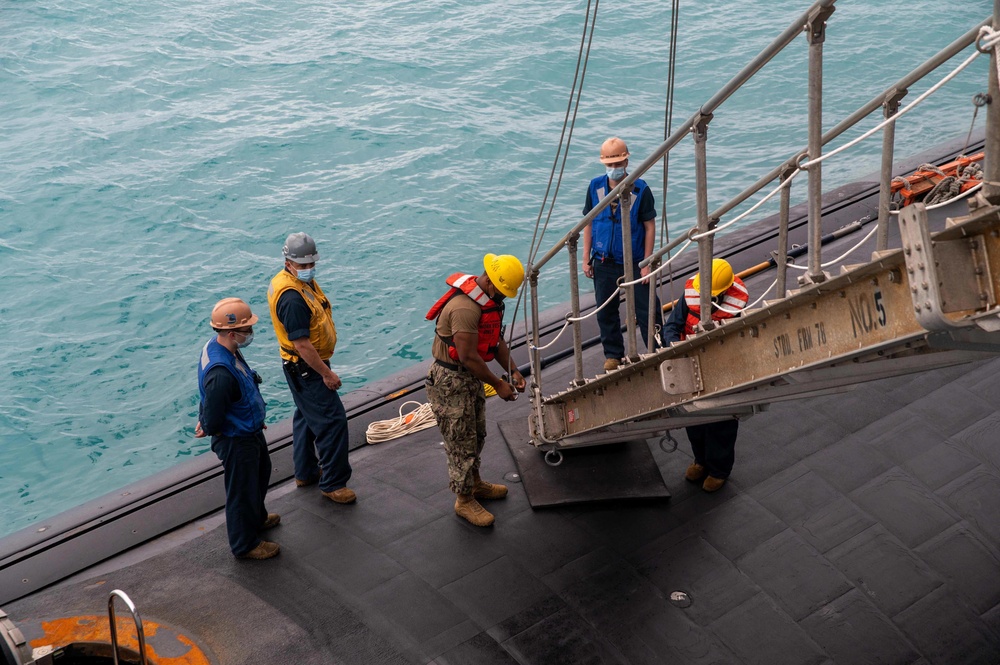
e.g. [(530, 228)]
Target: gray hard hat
[(300, 248)]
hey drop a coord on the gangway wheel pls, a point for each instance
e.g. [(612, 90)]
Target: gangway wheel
[(553, 457), (667, 437)]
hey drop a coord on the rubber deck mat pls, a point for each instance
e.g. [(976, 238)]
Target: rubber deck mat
[(586, 475)]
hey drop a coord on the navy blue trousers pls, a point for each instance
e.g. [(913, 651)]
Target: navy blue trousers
[(714, 446), (319, 425), (606, 275), (247, 467)]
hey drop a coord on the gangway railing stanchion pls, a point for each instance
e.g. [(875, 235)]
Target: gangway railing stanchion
[(781, 254), (816, 35), (705, 240), (889, 108), (574, 290), (651, 307), (625, 212), (113, 625), (991, 175), (535, 356)]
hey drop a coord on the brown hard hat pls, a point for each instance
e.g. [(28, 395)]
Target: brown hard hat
[(232, 313), (613, 151)]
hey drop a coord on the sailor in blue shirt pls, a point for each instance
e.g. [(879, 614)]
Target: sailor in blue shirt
[(232, 413), (603, 256)]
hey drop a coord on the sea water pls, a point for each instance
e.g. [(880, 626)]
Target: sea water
[(154, 155)]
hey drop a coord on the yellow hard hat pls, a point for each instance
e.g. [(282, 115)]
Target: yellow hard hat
[(231, 314), (613, 151), (506, 273), (722, 277)]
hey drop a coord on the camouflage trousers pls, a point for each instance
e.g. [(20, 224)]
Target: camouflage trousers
[(459, 405)]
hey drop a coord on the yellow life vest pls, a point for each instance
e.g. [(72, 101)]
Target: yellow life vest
[(322, 332)]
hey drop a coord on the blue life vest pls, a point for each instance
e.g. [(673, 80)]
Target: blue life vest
[(246, 416), (606, 229)]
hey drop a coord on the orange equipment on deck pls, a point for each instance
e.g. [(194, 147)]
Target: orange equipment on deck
[(914, 187)]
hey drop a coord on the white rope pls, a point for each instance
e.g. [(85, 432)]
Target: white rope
[(556, 339), (967, 193), (990, 38), (414, 421), (764, 200), (842, 256), (750, 306), (663, 266), (614, 296)]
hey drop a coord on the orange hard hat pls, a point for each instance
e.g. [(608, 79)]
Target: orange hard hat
[(613, 151), (231, 314)]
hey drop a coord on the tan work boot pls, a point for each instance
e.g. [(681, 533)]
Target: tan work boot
[(472, 511), (265, 550), (713, 484), (273, 520), (485, 490), (694, 473), (611, 364), (306, 482), (343, 495)]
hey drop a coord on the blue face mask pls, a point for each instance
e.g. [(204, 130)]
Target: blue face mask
[(616, 173), (306, 274), (247, 341)]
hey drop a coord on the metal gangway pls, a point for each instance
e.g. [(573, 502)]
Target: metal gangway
[(931, 302)]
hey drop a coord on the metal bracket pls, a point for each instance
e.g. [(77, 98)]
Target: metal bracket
[(816, 25), (681, 376), (890, 103), (700, 126), (946, 276)]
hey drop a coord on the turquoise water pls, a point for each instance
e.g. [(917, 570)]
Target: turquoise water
[(153, 156)]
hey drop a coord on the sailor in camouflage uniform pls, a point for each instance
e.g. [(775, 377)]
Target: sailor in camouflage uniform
[(469, 319)]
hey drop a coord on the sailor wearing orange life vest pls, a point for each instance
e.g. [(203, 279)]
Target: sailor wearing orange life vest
[(468, 326), (713, 444)]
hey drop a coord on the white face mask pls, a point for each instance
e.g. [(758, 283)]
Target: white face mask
[(247, 340), (616, 173), (306, 274)]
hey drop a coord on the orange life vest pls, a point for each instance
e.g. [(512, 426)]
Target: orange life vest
[(490, 319), (734, 299)]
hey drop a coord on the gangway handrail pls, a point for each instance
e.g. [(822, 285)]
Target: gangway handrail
[(734, 84), (863, 112)]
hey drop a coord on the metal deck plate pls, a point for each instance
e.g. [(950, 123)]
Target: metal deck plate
[(587, 475)]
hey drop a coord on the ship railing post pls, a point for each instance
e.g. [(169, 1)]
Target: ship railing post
[(705, 242), (816, 34), (535, 357), (889, 108), (574, 289), (625, 211), (651, 319), (781, 254), (991, 172)]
